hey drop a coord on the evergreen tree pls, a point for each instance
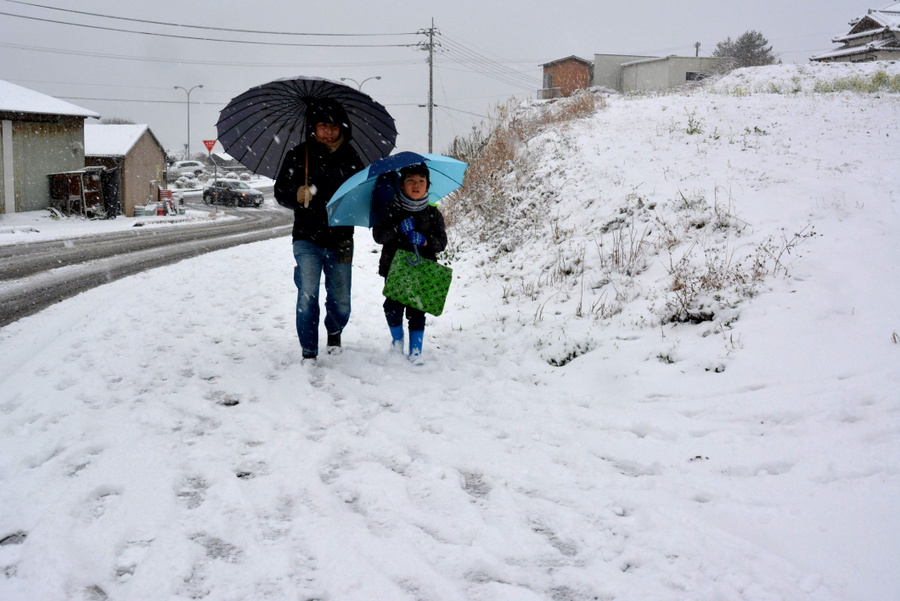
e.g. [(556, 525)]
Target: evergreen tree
[(751, 49)]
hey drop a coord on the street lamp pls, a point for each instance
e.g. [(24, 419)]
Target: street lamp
[(360, 85), (188, 117)]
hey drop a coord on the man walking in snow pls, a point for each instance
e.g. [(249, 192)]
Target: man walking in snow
[(309, 176)]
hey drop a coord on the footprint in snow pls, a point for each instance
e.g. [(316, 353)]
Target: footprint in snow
[(216, 548), (16, 538), (91, 593), (474, 484), (193, 491), (128, 559)]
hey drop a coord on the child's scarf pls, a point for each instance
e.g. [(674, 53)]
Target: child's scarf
[(411, 205)]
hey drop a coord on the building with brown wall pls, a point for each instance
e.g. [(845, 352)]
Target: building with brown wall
[(135, 152), (562, 77)]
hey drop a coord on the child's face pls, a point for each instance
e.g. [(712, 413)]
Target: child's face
[(415, 186)]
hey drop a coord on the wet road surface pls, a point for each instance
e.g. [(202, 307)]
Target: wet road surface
[(36, 275)]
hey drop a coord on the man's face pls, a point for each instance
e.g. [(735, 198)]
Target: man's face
[(415, 186), (328, 132)]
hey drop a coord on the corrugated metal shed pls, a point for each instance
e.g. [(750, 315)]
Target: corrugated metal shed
[(39, 135)]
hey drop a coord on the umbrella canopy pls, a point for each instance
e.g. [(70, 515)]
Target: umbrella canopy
[(261, 125), (352, 203)]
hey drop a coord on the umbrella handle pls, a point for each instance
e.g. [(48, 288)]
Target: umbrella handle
[(306, 174), (418, 257)]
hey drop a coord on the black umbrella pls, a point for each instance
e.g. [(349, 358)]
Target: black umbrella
[(261, 125)]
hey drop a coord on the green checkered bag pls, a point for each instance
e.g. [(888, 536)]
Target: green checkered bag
[(417, 282)]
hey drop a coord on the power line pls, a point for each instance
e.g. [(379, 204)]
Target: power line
[(482, 64), (193, 102), (209, 63), (460, 111), (207, 28), (466, 69), (470, 49), (187, 37), (478, 67), (93, 85), (181, 102)]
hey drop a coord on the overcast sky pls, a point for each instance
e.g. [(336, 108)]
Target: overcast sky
[(489, 50)]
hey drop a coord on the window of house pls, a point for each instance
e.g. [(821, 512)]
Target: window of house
[(694, 76), (548, 80)]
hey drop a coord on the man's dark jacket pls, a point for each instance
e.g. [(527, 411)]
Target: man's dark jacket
[(327, 171)]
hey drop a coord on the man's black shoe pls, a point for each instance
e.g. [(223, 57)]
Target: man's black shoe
[(334, 344)]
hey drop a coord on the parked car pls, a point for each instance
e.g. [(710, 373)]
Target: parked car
[(179, 168), (232, 192)]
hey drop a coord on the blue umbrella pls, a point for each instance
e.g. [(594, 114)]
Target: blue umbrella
[(352, 203)]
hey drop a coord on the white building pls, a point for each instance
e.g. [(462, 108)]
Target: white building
[(628, 73)]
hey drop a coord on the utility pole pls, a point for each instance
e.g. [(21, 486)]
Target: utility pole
[(430, 85), (696, 48), (430, 47)]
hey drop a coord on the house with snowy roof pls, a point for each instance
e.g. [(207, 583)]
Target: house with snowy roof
[(874, 36), (39, 135), (134, 156)]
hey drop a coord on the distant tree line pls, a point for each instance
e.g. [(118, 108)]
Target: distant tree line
[(116, 121)]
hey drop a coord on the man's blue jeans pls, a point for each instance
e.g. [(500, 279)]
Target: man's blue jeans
[(312, 261)]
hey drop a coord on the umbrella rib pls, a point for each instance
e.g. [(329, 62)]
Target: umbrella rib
[(252, 125), (248, 148)]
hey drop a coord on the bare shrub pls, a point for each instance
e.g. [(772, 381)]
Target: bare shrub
[(690, 283), (500, 166), (626, 254), (601, 309), (579, 105), (696, 293), (772, 254)]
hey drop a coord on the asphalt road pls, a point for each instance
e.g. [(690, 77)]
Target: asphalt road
[(36, 275)]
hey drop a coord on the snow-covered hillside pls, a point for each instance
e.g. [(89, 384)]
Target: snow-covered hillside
[(667, 370)]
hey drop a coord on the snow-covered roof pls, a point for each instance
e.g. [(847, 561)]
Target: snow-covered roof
[(889, 45), (889, 17), (859, 35), (16, 99), (876, 21), (568, 58), (111, 140), (670, 57)]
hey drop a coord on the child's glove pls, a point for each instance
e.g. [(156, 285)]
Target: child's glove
[(407, 225), (416, 238)]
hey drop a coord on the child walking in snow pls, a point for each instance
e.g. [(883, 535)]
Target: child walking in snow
[(409, 221)]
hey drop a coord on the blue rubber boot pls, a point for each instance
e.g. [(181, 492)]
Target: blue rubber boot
[(416, 338), (396, 339)]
